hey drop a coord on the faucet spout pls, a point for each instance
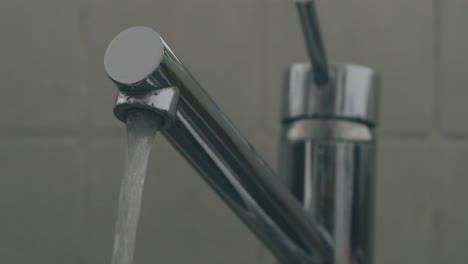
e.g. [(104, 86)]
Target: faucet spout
[(150, 76)]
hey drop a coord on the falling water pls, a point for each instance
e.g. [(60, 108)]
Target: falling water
[(142, 126)]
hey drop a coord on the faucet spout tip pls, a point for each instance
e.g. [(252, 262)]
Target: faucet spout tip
[(133, 55)]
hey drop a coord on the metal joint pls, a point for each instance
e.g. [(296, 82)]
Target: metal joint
[(161, 101)]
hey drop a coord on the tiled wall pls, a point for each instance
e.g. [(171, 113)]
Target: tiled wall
[(61, 149)]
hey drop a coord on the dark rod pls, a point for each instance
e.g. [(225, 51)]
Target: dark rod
[(313, 40)]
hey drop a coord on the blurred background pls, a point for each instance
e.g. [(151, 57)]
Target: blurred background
[(62, 150)]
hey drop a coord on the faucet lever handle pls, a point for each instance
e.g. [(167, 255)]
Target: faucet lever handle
[(313, 40)]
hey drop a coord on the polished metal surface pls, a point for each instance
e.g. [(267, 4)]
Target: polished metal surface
[(313, 40), (165, 99), (214, 147), (351, 94), (328, 153), (327, 129), (141, 51), (328, 144), (322, 212), (335, 181)]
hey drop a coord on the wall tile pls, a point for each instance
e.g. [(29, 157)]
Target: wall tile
[(40, 64), (454, 62), (406, 176), (105, 163), (36, 200), (452, 214)]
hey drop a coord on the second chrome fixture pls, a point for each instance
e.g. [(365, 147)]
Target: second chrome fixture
[(319, 208)]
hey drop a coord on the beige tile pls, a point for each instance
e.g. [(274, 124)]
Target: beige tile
[(105, 163), (40, 64), (266, 257), (452, 214), (405, 202), (36, 201), (454, 62)]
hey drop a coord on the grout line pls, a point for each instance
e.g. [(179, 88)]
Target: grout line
[(454, 142), (459, 142), (29, 139), (80, 179), (437, 133), (264, 9), (34, 131), (27, 133), (264, 63), (459, 137), (88, 132), (263, 82), (404, 135), (85, 132), (402, 139), (453, 138)]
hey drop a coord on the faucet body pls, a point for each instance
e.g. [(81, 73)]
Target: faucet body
[(196, 127), (327, 154), (320, 212)]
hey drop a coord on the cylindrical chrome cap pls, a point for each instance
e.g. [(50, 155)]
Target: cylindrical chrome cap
[(352, 94), (133, 61)]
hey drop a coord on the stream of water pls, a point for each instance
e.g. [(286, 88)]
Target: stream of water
[(142, 126)]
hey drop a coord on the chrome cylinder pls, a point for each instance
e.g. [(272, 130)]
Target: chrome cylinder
[(328, 154)]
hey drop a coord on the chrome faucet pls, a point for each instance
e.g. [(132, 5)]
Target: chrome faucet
[(320, 210)]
